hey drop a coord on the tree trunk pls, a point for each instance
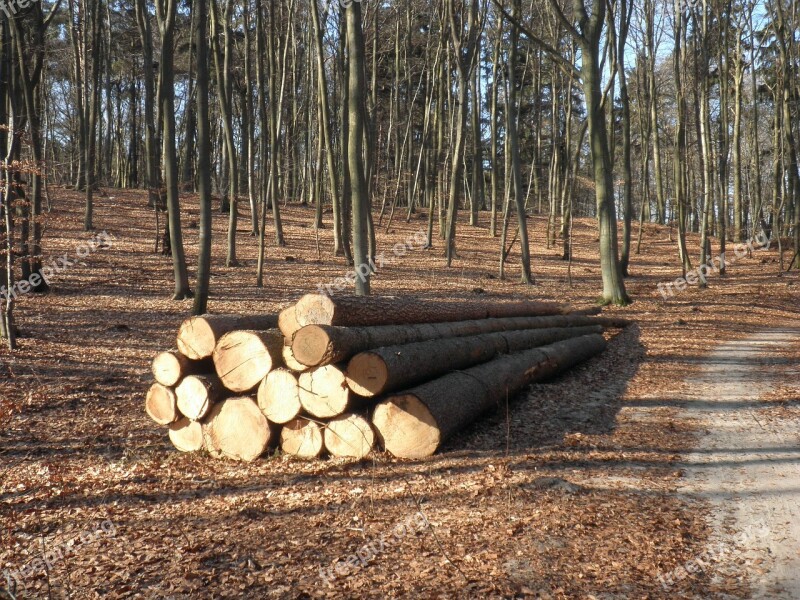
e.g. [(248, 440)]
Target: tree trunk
[(384, 370), (235, 428), (198, 336), (318, 309), (243, 358), (349, 435), (414, 424), (302, 438), (317, 345), (279, 396)]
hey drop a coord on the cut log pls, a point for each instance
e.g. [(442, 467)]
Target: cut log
[(186, 435), (287, 322), (198, 336), (302, 437), (279, 396), (172, 366), (290, 361), (319, 309), (383, 370), (414, 423), (317, 345), (243, 358), (235, 428), (349, 435), (197, 394), (161, 404), (323, 392)]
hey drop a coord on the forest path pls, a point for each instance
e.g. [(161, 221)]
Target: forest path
[(746, 464)]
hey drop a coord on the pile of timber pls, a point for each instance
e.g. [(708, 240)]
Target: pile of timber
[(345, 375)]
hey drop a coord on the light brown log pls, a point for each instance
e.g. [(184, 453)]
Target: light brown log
[(161, 404), (196, 395), (290, 361), (198, 336), (414, 423), (383, 370), (243, 358), (235, 428), (323, 392), (172, 366), (186, 435), (319, 309), (349, 435), (302, 437), (317, 345), (287, 322), (279, 396)]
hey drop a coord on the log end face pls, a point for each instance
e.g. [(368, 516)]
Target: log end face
[(196, 338), (323, 392), (367, 374), (193, 397), (242, 360), (349, 436), (166, 368), (315, 309), (279, 396), (302, 438), (186, 435), (161, 404), (310, 345), (236, 429), (407, 427)]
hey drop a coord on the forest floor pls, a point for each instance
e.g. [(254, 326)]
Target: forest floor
[(589, 486)]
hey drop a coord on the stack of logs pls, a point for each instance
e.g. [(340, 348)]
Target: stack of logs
[(346, 374)]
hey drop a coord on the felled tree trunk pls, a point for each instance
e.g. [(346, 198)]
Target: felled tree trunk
[(198, 336), (413, 424), (243, 358), (349, 435), (172, 366), (319, 309), (317, 345), (302, 437), (161, 404), (197, 394), (279, 396), (235, 428), (390, 368)]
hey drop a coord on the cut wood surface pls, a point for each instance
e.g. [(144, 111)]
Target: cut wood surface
[(316, 345), (243, 358), (186, 435), (235, 428), (291, 362), (389, 368), (161, 404), (324, 392), (198, 336), (172, 366), (349, 435), (197, 394), (302, 437), (287, 322), (319, 309), (279, 396), (414, 423)]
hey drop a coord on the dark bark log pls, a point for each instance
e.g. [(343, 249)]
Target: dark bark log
[(415, 423)]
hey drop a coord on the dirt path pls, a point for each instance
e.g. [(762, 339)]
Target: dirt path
[(748, 465)]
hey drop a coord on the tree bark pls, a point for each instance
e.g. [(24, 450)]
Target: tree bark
[(415, 423)]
